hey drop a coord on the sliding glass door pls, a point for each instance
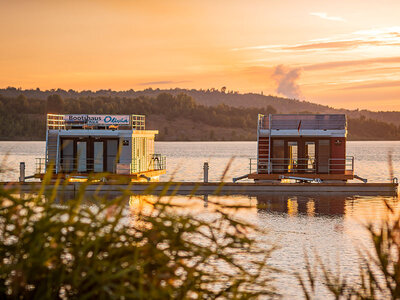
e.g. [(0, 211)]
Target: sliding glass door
[(98, 157), (81, 149)]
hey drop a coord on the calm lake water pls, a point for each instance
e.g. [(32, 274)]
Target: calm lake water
[(327, 224)]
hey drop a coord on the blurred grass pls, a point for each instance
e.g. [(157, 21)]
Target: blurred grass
[(104, 249), (379, 267)]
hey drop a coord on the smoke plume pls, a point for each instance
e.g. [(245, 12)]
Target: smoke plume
[(285, 79)]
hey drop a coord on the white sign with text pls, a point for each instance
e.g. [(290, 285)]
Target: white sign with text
[(98, 119)]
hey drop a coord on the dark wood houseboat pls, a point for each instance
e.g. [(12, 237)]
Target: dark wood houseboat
[(304, 147)]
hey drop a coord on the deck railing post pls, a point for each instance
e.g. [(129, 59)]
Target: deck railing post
[(22, 172), (269, 144), (250, 165), (205, 171)]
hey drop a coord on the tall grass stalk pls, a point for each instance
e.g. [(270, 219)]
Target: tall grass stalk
[(379, 267), (103, 249)]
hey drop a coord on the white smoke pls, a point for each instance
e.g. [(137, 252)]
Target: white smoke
[(285, 79)]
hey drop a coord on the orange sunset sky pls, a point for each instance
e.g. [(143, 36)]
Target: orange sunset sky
[(339, 53)]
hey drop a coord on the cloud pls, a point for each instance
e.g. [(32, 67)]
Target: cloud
[(162, 82), (285, 79), (376, 37), (351, 63), (325, 16), (338, 45), (374, 85), (328, 45)]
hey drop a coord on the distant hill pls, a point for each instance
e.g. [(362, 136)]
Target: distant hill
[(213, 97), (177, 117)]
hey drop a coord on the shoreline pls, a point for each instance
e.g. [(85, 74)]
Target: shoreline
[(198, 140)]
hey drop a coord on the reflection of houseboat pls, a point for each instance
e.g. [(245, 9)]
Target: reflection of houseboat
[(332, 204), (78, 145), (303, 147)]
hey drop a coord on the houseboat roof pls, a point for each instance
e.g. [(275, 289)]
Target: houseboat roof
[(308, 121), (303, 124)]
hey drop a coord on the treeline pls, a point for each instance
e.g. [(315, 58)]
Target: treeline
[(369, 129), (210, 97), (24, 118)]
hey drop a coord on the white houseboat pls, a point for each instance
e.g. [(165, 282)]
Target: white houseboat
[(79, 144)]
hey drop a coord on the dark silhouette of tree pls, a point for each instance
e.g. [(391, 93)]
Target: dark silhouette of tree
[(22, 103), (54, 104)]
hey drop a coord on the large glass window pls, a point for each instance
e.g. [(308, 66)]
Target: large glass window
[(323, 156), (81, 148), (293, 157), (278, 156), (112, 154), (310, 157), (98, 156), (67, 159)]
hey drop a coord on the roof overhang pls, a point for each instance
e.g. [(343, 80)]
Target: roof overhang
[(303, 133), (105, 133), (94, 132)]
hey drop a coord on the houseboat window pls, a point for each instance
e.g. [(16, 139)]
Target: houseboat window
[(323, 156), (278, 156), (310, 156), (293, 157), (98, 156), (67, 159), (112, 153), (81, 148)]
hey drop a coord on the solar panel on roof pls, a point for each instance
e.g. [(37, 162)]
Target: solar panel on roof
[(308, 122)]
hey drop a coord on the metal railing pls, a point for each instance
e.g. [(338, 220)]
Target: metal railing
[(40, 165), (302, 165), (153, 162), (262, 122), (55, 121), (85, 165), (138, 122), (158, 162)]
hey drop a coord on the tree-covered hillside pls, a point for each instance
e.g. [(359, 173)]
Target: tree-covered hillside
[(177, 117), (212, 97)]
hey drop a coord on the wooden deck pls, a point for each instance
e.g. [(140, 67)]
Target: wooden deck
[(348, 175), (216, 188)]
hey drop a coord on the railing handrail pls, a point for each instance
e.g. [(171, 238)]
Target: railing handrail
[(56, 122), (299, 164), (156, 162)]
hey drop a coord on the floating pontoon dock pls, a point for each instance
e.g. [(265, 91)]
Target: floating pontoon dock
[(217, 188)]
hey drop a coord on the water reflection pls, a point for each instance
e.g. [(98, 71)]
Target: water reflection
[(328, 223), (339, 205), (310, 205)]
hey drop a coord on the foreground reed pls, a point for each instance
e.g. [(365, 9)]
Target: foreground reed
[(379, 268), (104, 249)]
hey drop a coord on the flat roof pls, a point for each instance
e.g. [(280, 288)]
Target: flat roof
[(304, 122)]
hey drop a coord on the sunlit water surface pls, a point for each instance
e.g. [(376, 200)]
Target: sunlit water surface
[(328, 224)]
